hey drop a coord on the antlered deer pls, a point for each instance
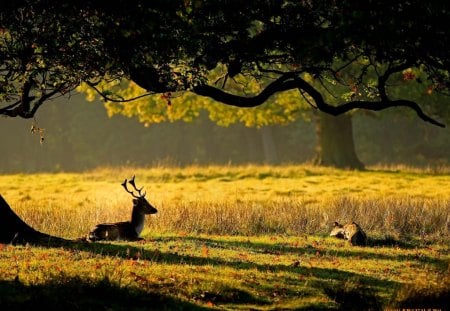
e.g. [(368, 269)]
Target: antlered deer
[(127, 230), (351, 232)]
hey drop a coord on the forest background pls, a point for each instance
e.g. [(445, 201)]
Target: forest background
[(79, 135)]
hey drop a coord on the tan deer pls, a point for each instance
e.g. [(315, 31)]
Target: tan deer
[(351, 232), (127, 230)]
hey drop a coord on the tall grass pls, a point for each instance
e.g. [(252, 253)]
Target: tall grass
[(385, 216), (252, 200)]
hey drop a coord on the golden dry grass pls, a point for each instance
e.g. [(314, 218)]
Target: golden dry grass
[(248, 200), (230, 238)]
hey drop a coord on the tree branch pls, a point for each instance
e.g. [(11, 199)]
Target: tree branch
[(290, 81), (110, 99), (241, 101), (24, 107), (382, 79), (6, 110)]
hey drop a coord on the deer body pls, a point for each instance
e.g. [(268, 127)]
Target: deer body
[(351, 232), (126, 230)]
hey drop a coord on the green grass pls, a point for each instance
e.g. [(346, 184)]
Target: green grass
[(252, 237)]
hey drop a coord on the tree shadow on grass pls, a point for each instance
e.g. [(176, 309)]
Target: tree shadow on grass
[(74, 293), (358, 298), (389, 241), (134, 251), (350, 291), (130, 251), (319, 277), (355, 252)]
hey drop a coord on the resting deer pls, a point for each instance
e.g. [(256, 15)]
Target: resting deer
[(127, 230), (351, 232)]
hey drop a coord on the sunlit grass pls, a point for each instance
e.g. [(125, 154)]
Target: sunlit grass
[(233, 272), (237, 200), (247, 237)]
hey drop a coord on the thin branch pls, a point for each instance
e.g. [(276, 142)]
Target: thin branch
[(18, 108), (107, 98), (307, 99), (46, 97), (326, 88), (275, 71), (4, 110), (351, 61), (382, 79), (364, 69)]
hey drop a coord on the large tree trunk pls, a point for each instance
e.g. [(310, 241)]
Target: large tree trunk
[(15, 231), (335, 145)]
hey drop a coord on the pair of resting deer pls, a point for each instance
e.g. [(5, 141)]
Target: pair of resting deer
[(351, 232), (131, 230)]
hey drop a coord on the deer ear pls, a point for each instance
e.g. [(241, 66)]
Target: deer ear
[(135, 201)]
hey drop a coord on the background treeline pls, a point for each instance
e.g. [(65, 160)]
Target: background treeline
[(79, 135)]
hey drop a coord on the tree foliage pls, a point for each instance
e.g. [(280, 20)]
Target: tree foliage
[(354, 52)]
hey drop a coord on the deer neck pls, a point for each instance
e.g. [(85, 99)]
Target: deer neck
[(137, 220)]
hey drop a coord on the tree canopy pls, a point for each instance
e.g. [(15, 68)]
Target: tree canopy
[(357, 53)]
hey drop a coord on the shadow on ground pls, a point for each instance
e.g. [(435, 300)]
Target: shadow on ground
[(64, 293), (90, 296)]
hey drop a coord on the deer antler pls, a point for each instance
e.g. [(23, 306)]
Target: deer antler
[(131, 181), (124, 185), (134, 186)]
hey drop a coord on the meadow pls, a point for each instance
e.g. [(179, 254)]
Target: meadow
[(233, 237)]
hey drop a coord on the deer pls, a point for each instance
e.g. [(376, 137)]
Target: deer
[(126, 230), (351, 232)]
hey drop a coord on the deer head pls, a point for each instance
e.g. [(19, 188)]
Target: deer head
[(139, 201), (338, 231)]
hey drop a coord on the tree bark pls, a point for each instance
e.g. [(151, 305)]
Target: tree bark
[(335, 144), (15, 231)]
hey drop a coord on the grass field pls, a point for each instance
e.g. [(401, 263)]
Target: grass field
[(226, 237)]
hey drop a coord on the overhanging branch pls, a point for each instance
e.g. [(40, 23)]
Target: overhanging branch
[(289, 82), (276, 86), (28, 105)]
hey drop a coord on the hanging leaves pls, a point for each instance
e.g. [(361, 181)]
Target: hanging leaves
[(37, 130)]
